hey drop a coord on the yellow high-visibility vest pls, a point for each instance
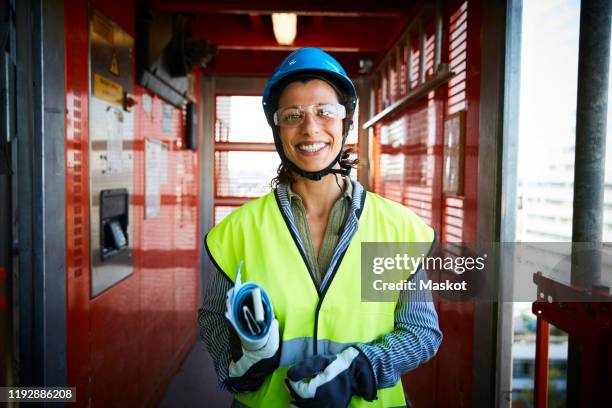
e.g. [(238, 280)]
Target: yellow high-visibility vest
[(311, 322)]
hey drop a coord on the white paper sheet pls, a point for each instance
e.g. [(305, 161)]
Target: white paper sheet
[(153, 174)]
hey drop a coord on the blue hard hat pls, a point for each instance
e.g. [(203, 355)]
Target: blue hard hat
[(309, 60)]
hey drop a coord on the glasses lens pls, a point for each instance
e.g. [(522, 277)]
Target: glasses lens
[(323, 113), (291, 116), (329, 111)]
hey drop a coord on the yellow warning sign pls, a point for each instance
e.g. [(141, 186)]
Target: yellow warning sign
[(108, 90), (114, 66)]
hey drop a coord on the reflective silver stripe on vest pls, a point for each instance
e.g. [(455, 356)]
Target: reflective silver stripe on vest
[(299, 349)]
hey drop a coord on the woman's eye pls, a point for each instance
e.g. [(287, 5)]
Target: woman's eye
[(291, 117), (326, 112)]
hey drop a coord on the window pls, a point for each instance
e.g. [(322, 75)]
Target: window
[(547, 121), (245, 158)]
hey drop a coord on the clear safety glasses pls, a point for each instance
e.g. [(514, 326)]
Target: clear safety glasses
[(323, 113)]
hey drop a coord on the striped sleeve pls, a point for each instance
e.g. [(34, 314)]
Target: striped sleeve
[(214, 331), (414, 341)]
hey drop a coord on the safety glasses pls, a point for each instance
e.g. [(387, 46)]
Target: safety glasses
[(323, 113)]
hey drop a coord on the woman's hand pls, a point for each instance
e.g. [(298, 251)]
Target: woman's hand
[(331, 380), (258, 356), (250, 341), (252, 368)]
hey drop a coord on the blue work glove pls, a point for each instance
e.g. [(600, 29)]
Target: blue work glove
[(331, 380)]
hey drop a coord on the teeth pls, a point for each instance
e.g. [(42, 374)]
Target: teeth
[(315, 147)]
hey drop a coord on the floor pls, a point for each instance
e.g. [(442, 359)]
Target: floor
[(195, 384)]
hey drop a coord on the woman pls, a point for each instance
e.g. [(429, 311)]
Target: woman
[(301, 242)]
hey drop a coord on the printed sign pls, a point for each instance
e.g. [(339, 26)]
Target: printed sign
[(114, 140), (153, 171), (108, 90)]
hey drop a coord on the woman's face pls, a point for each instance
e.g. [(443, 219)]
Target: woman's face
[(311, 145)]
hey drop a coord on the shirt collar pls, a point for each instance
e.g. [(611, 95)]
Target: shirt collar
[(347, 193)]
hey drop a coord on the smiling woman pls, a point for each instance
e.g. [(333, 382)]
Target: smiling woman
[(301, 243), (310, 141)]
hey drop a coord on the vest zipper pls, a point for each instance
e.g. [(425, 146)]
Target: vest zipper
[(331, 278), (295, 241)]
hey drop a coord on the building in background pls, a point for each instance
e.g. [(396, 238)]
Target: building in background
[(547, 131)]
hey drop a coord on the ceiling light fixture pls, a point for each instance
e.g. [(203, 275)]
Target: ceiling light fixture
[(285, 27)]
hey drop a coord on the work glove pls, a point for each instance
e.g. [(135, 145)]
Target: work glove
[(259, 353), (331, 380), (250, 370)]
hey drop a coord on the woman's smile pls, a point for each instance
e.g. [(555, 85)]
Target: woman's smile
[(312, 148)]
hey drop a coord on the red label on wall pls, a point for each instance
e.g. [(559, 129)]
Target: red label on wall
[(2, 274)]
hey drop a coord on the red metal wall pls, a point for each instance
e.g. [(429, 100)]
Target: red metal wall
[(408, 159), (125, 344)]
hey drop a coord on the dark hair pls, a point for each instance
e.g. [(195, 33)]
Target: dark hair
[(286, 176)]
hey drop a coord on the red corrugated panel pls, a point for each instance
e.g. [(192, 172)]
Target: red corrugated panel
[(415, 139), (403, 81), (457, 50), (391, 160), (429, 55), (125, 344), (393, 83), (459, 216), (406, 165), (77, 198), (415, 63)]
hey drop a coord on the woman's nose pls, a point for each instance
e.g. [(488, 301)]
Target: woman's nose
[(310, 124)]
